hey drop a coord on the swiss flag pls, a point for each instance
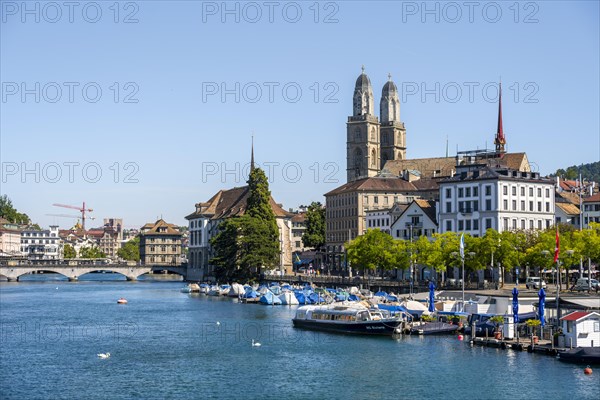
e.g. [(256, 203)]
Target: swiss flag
[(557, 248)]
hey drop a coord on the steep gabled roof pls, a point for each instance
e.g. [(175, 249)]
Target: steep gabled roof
[(161, 227), (231, 203), (428, 208)]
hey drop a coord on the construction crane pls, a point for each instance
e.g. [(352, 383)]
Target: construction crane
[(82, 210), (77, 217)]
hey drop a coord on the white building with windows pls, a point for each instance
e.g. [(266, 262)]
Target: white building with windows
[(481, 196), (591, 210), (41, 244), (379, 219), (418, 219)]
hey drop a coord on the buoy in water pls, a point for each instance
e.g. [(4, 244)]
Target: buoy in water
[(587, 370), (460, 337), (122, 301)]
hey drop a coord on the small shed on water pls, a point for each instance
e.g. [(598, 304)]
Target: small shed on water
[(582, 329)]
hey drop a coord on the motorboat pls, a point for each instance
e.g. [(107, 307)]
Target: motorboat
[(349, 318), (269, 298), (288, 298), (236, 290), (585, 355), (122, 301)]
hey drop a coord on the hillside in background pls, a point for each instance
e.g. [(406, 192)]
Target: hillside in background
[(590, 172)]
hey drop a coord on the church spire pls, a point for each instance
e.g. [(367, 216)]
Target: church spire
[(500, 141), (252, 155)]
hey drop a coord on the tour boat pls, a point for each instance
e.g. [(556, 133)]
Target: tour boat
[(122, 301), (349, 318)]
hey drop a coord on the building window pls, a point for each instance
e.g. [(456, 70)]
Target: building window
[(505, 203), (523, 224), (397, 233), (460, 192), (475, 191), (488, 223), (531, 191), (448, 225), (488, 190), (531, 206), (505, 190), (475, 205), (461, 225), (468, 192), (376, 199), (514, 205), (531, 224), (539, 192), (539, 206), (514, 190), (468, 224), (547, 207), (475, 224), (522, 190), (448, 193), (448, 207), (505, 224), (547, 192), (514, 223), (461, 206), (522, 205), (488, 204), (540, 224)]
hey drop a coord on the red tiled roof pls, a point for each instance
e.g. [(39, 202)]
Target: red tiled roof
[(576, 315), (592, 199)]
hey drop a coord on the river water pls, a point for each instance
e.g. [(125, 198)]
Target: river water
[(167, 344)]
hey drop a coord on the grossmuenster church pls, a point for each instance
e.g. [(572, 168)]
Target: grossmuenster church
[(370, 142)]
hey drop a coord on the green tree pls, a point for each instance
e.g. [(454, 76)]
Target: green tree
[(69, 251), (8, 212), (130, 250), (91, 252), (314, 235), (249, 242), (376, 249)]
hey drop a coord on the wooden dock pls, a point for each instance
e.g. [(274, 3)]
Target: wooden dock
[(542, 347)]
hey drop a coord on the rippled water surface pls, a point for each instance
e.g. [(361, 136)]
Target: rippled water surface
[(167, 344)]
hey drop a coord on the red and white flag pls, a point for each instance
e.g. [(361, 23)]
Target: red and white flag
[(557, 248)]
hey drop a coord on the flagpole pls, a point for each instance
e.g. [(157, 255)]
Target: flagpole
[(462, 257), (463, 284), (556, 260)]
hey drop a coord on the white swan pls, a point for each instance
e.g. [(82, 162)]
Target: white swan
[(104, 355), (218, 323), (255, 344)]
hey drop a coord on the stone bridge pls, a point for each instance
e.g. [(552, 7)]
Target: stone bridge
[(73, 272)]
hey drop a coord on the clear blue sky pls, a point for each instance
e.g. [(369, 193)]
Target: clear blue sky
[(178, 54)]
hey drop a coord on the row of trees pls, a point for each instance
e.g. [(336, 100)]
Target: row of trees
[(84, 252), (509, 249), (130, 251)]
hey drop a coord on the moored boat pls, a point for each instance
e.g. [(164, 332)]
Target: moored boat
[(348, 318)]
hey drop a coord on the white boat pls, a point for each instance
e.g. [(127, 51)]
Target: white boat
[(224, 290), (236, 290), (349, 318), (204, 288), (214, 291), (288, 298)]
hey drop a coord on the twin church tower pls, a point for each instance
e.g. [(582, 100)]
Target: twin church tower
[(371, 143)]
